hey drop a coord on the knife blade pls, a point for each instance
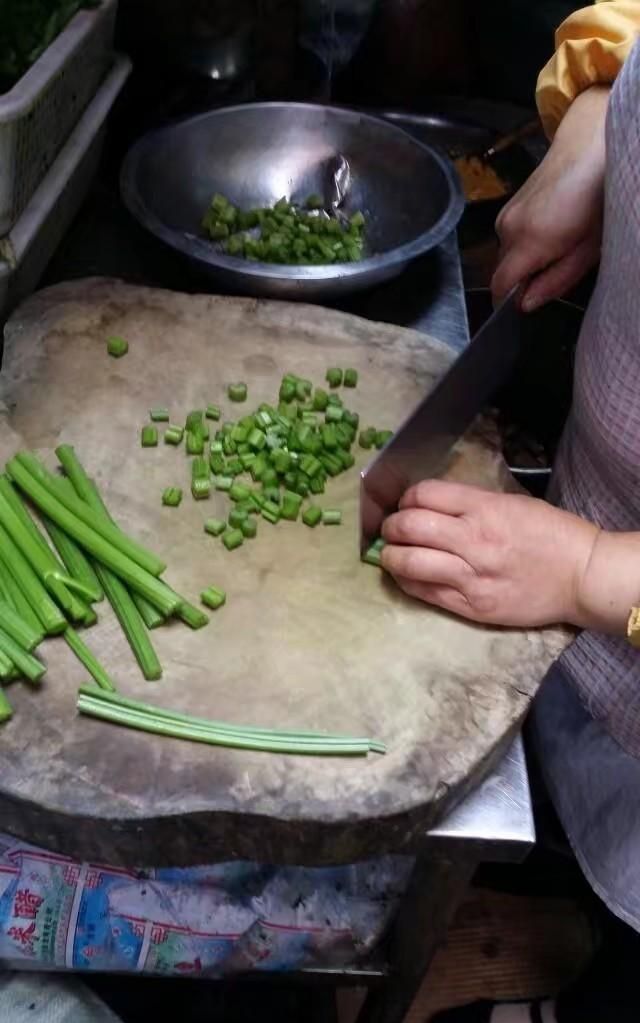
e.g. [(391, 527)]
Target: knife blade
[(419, 447)]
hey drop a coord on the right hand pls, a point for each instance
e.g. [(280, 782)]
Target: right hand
[(551, 231)]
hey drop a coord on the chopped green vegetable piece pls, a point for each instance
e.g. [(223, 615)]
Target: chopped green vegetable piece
[(237, 392), (159, 415), (346, 458), (331, 517), (350, 378), (334, 377), (373, 555), (193, 421), (237, 517), (257, 440), (367, 438), (249, 528), (331, 463), (291, 504), (212, 412), (287, 390), (352, 419), (357, 219), (223, 483), (382, 437), (195, 442), (172, 497), (335, 399), (314, 201), (320, 400), (173, 435), (200, 489), (229, 446), (312, 515), (213, 597), (333, 414), (217, 463), (232, 538), (239, 492), (149, 437), (117, 347), (329, 438), (215, 527)]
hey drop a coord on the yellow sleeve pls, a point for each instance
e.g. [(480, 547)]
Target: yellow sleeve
[(591, 47)]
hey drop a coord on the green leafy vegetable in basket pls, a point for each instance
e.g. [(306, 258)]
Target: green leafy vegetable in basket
[(27, 27)]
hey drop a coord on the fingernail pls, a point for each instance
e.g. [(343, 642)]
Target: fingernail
[(530, 304)]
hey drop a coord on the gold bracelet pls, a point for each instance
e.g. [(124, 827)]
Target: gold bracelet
[(633, 627)]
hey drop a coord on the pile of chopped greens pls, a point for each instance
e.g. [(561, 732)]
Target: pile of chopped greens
[(285, 233)]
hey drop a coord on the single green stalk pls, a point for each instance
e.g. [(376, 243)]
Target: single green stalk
[(84, 655), (150, 721), (219, 726), (131, 623)]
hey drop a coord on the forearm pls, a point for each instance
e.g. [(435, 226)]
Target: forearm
[(581, 136), (610, 585)]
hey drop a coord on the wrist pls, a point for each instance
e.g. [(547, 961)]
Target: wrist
[(609, 586)]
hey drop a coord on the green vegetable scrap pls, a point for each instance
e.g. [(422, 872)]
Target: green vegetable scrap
[(215, 527), (149, 437), (213, 597), (117, 347), (173, 435), (147, 718), (172, 497), (237, 392), (372, 555), (232, 538)]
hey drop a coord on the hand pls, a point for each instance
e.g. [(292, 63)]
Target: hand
[(550, 232), (499, 559)]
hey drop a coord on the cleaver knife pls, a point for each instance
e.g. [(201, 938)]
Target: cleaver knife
[(419, 448)]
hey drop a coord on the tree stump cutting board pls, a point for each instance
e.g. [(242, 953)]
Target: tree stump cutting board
[(309, 639)]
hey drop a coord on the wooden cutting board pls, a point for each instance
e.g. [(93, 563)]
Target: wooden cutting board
[(310, 638)]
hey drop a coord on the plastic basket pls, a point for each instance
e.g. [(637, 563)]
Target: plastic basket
[(39, 112), (25, 252)]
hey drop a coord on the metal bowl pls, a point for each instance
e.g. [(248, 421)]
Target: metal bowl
[(256, 153)]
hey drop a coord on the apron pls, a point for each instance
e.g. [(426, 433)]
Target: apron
[(585, 720)]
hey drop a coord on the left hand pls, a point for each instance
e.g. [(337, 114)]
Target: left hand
[(498, 559)]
